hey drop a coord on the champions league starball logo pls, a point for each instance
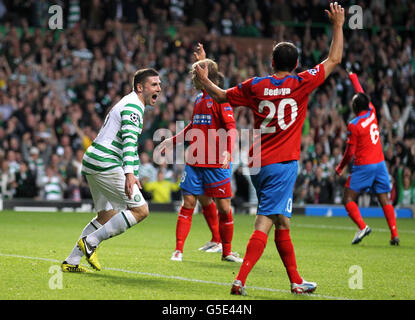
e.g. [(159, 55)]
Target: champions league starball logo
[(134, 117)]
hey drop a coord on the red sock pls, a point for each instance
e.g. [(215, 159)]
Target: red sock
[(391, 219), (226, 232), (354, 214), (211, 215), (184, 222), (254, 250), (285, 248)]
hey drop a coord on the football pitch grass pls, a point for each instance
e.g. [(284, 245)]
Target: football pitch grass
[(136, 265)]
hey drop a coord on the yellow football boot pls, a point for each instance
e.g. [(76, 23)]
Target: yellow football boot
[(66, 267), (90, 253)]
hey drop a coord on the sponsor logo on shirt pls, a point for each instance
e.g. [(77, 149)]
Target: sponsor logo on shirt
[(202, 119), (314, 71)]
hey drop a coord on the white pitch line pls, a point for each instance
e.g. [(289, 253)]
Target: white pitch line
[(322, 226), (157, 275)]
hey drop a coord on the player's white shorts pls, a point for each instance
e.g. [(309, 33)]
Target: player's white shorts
[(108, 191)]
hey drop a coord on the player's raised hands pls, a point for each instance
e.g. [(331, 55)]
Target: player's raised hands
[(202, 71), (200, 53), (336, 14)]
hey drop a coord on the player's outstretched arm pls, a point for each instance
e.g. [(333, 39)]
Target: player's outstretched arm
[(347, 157), (336, 16), (200, 53), (355, 82), (357, 87), (218, 94)]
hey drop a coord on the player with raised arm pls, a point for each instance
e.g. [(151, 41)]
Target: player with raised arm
[(279, 104), (369, 170), (110, 165), (207, 173)]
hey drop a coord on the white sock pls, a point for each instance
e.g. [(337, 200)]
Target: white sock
[(76, 254), (115, 226)]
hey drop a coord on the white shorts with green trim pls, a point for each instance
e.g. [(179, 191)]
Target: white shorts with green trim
[(108, 191)]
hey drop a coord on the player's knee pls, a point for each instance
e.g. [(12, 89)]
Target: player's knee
[(105, 215), (140, 213), (189, 202), (205, 201), (224, 206), (224, 210), (282, 222), (347, 199), (383, 199)]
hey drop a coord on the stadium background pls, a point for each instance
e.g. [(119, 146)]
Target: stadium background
[(57, 85)]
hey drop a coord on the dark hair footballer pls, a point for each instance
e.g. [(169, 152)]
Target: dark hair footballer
[(141, 75), (360, 102), (285, 57)]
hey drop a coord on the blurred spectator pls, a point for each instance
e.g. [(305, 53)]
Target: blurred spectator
[(406, 187), (25, 183), (397, 119), (7, 181), (161, 189), (36, 164), (12, 162), (147, 169), (74, 15), (74, 168), (301, 196), (52, 185), (241, 190), (73, 191), (321, 188)]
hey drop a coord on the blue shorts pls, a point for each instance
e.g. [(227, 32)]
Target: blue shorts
[(212, 182), (274, 186), (369, 177)]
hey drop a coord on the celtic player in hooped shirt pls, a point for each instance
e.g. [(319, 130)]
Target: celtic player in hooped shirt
[(279, 105), (110, 165)]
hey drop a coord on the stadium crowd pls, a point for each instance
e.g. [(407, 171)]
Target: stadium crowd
[(56, 86)]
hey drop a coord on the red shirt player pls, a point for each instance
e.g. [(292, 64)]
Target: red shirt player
[(211, 132), (279, 104), (207, 172), (369, 172)]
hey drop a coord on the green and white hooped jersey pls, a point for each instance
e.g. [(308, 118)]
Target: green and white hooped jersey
[(116, 144), (52, 188)]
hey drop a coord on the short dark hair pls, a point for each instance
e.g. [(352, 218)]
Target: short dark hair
[(360, 102), (285, 56), (141, 75)]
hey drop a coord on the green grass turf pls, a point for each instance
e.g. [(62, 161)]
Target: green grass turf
[(136, 264)]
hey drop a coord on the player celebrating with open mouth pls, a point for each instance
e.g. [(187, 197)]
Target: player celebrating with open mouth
[(110, 165)]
